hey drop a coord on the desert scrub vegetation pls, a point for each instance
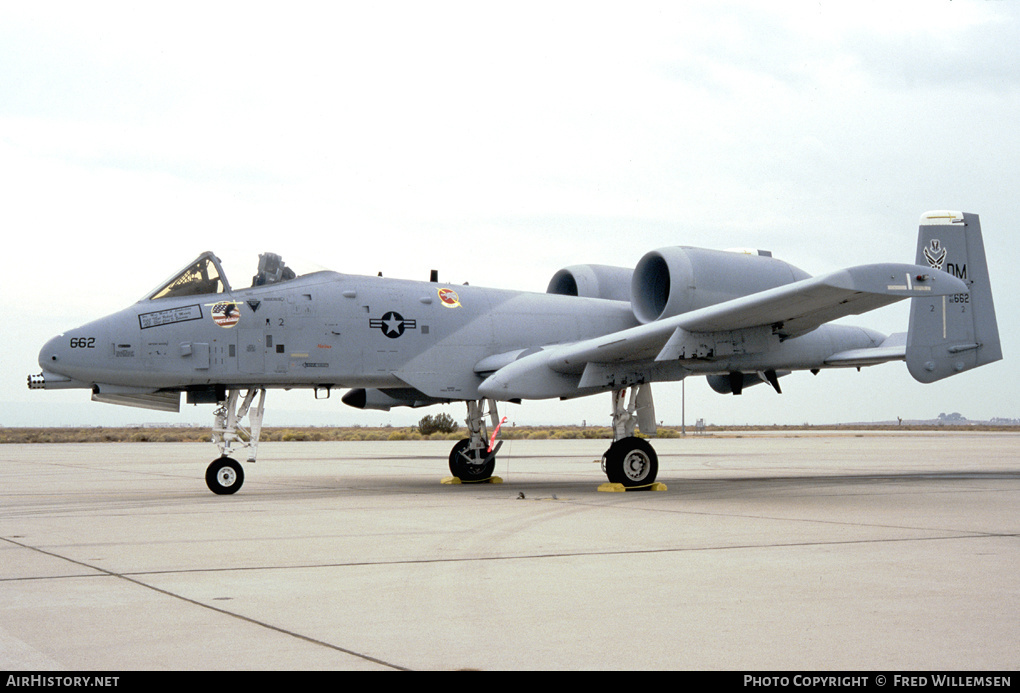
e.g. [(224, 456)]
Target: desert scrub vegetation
[(293, 434), (104, 435), (201, 434), (440, 423)]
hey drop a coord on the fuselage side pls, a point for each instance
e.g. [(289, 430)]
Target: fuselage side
[(324, 329)]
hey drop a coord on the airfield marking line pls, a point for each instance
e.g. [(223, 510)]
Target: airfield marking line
[(247, 619), (963, 533), (467, 559)]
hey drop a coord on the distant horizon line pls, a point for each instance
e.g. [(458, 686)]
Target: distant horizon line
[(999, 422)]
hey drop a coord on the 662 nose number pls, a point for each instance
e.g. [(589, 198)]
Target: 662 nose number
[(83, 342)]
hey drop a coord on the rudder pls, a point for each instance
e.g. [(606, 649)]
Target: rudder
[(951, 334)]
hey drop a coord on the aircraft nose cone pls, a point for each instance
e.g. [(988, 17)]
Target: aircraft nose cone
[(51, 353), (59, 358)]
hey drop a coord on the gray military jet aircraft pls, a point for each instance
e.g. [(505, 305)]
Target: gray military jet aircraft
[(739, 318)]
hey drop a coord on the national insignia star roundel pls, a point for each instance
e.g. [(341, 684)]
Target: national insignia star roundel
[(392, 324)]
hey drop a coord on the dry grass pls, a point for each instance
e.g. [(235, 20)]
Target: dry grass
[(202, 435)]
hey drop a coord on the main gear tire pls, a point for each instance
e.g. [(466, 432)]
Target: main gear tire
[(471, 465), (632, 462)]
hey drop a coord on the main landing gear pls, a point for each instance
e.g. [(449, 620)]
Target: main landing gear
[(471, 460), (224, 475), (631, 461)]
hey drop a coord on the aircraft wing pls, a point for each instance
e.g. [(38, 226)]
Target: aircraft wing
[(789, 310), (785, 311)]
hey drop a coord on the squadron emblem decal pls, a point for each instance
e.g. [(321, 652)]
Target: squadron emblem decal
[(935, 254), (393, 324), (449, 298)]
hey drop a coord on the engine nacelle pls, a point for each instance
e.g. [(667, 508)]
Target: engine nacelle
[(675, 280), (592, 281)]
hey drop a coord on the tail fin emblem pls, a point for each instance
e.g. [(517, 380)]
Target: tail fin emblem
[(936, 254)]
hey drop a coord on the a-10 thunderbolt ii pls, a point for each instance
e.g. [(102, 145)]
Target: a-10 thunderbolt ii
[(739, 318)]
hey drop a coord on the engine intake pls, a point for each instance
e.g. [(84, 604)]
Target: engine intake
[(675, 280), (592, 281)]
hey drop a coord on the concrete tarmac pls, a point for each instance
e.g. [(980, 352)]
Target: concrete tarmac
[(832, 551)]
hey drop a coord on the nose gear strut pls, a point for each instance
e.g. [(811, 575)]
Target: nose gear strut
[(224, 475)]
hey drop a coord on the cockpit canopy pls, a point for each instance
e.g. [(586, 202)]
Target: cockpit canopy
[(205, 276)]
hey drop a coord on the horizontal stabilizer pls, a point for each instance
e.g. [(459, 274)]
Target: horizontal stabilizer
[(894, 348)]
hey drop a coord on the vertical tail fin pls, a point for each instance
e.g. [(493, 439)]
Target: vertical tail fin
[(952, 334)]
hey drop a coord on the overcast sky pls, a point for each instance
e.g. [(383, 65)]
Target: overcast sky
[(497, 143)]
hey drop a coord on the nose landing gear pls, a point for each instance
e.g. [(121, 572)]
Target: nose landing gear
[(224, 475)]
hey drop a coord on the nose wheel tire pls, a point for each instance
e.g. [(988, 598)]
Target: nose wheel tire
[(224, 476), (632, 462)]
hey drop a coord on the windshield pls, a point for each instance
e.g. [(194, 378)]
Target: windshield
[(205, 276)]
